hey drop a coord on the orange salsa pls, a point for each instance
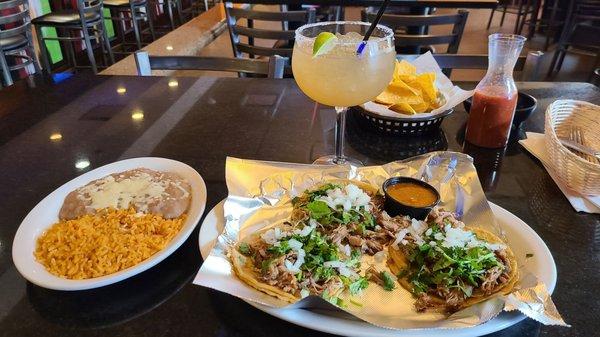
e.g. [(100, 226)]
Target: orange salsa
[(412, 194)]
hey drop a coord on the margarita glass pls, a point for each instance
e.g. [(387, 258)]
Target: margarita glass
[(340, 77)]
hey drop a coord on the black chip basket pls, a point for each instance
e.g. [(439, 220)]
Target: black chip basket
[(399, 125)]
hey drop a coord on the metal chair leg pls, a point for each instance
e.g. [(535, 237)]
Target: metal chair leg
[(170, 12), (5, 69), (534, 18), (43, 50), (561, 59), (106, 42), (100, 42), (179, 11), (136, 28), (31, 52), (150, 23), (491, 18), (34, 58), (503, 16), (519, 17), (89, 50), (553, 63), (550, 28), (524, 17), (64, 44), (71, 51)]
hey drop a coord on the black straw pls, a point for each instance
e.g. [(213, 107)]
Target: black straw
[(362, 45)]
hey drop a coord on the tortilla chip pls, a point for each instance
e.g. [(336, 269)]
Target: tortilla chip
[(403, 108), (426, 82), (420, 107), (409, 93)]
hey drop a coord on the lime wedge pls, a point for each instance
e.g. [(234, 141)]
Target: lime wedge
[(324, 43)]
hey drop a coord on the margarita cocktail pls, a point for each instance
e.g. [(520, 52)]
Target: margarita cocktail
[(329, 70)]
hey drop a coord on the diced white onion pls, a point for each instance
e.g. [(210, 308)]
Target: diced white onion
[(294, 244), (273, 235), (352, 197), (342, 268), (347, 251), (312, 224), (400, 236), (295, 267)]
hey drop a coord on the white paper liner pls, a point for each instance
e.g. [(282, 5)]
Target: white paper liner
[(453, 94), (260, 194)]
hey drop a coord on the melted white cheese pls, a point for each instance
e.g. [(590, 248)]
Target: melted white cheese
[(137, 190)]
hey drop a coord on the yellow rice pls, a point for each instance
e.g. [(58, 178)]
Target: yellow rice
[(103, 243)]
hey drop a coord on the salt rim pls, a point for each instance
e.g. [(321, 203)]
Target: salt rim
[(389, 33)]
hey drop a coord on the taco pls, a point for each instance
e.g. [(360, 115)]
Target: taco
[(448, 266), (319, 249), (349, 213)]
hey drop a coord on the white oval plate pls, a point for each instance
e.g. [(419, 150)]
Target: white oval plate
[(522, 240), (45, 213)]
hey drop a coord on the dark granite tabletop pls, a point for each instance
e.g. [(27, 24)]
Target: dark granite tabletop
[(200, 122)]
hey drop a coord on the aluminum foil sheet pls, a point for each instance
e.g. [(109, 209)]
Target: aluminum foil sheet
[(260, 196)]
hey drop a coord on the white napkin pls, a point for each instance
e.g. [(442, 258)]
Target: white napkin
[(453, 94), (581, 203)]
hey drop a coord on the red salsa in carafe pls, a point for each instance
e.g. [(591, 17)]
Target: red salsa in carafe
[(490, 116)]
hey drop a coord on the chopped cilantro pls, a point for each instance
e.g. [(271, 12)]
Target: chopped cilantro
[(245, 249), (452, 267), (388, 281), (279, 250), (528, 255), (358, 285), (318, 210), (322, 191)]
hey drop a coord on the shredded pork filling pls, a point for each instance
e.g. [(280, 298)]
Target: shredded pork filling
[(452, 297)]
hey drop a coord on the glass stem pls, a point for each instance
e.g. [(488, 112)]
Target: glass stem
[(340, 127)]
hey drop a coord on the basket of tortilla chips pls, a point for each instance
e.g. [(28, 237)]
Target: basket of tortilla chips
[(415, 102)]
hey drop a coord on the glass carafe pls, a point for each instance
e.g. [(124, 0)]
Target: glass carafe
[(495, 99)]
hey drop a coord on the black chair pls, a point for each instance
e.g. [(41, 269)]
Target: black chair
[(528, 66), (580, 34), (549, 20), (16, 40), (400, 24), (131, 11), (273, 68), (87, 17), (173, 5), (521, 9), (197, 7), (283, 39)]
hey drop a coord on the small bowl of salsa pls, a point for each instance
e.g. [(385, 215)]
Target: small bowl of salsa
[(409, 196)]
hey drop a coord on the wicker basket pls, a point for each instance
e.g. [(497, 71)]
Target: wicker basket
[(561, 116)]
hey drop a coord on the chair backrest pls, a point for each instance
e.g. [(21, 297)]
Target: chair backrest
[(17, 21), (586, 10), (399, 23), (273, 68), (236, 30), (529, 65), (89, 6)]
